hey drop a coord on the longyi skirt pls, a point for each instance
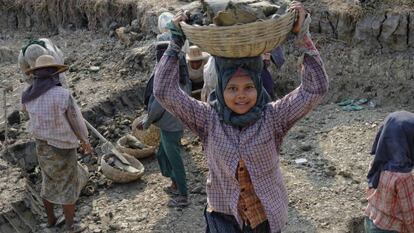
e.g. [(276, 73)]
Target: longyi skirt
[(62, 176)]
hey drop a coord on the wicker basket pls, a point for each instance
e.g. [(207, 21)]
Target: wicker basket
[(245, 40), (150, 137), (118, 175), (121, 145)]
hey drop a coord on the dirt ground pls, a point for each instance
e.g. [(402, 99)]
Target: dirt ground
[(326, 193)]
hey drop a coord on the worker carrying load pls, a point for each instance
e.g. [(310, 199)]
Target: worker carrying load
[(240, 127)]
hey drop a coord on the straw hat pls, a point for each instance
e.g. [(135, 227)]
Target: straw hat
[(46, 61), (195, 54)]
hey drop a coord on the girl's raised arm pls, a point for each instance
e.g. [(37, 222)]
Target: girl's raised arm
[(313, 88)]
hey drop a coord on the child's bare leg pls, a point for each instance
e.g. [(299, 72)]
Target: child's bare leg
[(69, 211), (51, 218)]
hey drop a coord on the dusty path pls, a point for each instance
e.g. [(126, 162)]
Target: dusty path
[(326, 194)]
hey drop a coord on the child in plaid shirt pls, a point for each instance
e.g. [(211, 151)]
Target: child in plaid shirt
[(390, 178), (242, 130)]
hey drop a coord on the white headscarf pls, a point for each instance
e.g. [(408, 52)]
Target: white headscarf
[(34, 51), (163, 19)]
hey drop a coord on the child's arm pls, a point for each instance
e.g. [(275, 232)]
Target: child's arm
[(192, 113), (314, 86), (77, 123)]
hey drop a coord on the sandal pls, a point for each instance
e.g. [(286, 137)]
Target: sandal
[(361, 101), (179, 201), (346, 102), (352, 107), (171, 191)]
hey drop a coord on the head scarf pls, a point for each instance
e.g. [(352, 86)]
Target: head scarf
[(163, 19), (33, 42), (226, 68), (43, 80), (393, 146)]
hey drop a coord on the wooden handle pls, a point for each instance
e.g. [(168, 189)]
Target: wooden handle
[(113, 150), (96, 132)]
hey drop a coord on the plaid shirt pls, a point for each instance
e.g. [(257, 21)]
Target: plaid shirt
[(56, 118), (250, 208), (258, 144), (391, 204)]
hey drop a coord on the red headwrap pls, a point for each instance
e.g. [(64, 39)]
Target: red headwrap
[(240, 72)]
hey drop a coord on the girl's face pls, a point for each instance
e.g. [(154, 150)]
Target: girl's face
[(240, 94)]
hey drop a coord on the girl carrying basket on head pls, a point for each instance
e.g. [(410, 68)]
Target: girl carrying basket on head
[(242, 131)]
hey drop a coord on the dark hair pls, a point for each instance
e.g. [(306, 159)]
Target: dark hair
[(160, 48)]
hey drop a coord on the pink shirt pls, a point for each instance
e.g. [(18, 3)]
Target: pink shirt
[(55, 118), (258, 145)]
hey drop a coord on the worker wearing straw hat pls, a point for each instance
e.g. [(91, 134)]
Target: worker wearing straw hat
[(196, 59), (34, 49), (57, 125)]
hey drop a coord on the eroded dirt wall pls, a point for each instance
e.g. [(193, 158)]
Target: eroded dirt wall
[(50, 15), (368, 50), (383, 28)]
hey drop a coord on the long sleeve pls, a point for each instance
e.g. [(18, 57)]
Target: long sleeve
[(299, 102), (76, 120), (405, 194), (155, 112), (191, 112)]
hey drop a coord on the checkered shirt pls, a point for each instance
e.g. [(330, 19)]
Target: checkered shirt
[(258, 144), (56, 118), (391, 204)]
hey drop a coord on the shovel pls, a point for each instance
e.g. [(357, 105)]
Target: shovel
[(107, 146)]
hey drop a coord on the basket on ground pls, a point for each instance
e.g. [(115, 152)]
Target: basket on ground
[(139, 152), (118, 175), (244, 40), (150, 137)]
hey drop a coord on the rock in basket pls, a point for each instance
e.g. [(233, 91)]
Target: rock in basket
[(121, 176), (243, 40)]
